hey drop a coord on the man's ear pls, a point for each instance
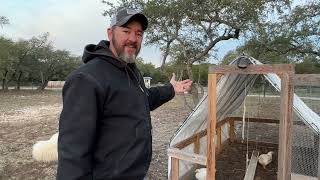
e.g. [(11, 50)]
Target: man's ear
[(109, 32)]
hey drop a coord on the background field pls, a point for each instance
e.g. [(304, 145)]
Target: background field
[(27, 116)]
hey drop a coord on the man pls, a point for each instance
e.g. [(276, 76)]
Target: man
[(105, 127)]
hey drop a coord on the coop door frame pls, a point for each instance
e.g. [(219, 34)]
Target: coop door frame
[(285, 72)]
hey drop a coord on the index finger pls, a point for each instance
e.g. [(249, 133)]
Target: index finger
[(186, 81)]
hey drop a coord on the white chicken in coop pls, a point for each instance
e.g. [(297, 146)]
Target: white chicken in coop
[(46, 151), (201, 174), (265, 159)]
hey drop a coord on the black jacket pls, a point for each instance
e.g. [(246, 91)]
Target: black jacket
[(105, 127)]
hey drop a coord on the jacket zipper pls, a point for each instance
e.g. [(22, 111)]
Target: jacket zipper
[(141, 88)]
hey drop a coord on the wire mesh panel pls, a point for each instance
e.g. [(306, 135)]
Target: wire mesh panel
[(260, 104), (258, 132), (305, 150), (305, 141)]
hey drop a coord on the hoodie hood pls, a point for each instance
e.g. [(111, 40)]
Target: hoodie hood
[(102, 51)]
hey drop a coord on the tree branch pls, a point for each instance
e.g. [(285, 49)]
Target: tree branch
[(230, 35)]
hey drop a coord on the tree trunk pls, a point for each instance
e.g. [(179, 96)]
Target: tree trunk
[(9, 80), (19, 80), (180, 75), (43, 85), (42, 78), (199, 76), (199, 84), (4, 81), (189, 71), (194, 87)]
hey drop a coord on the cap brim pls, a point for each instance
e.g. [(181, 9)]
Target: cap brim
[(135, 17)]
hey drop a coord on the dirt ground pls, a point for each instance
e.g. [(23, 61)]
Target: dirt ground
[(231, 163), (30, 116)]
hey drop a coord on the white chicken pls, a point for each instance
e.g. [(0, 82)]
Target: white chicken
[(46, 151), (201, 174), (265, 159)]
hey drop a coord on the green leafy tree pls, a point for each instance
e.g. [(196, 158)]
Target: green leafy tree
[(7, 59), (26, 52), (70, 64), (4, 21), (293, 38), (310, 65), (34, 60), (149, 70), (196, 27), (200, 72), (295, 35), (230, 56), (54, 64)]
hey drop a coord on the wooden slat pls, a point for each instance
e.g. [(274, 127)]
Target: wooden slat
[(219, 139), (203, 133), (252, 166), (190, 139), (259, 120), (190, 157), (252, 69), (232, 134), (222, 122), (219, 76), (211, 129), (196, 147), (262, 120), (254, 143), (174, 168), (285, 128)]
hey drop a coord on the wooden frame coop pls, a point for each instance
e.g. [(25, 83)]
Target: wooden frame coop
[(285, 72)]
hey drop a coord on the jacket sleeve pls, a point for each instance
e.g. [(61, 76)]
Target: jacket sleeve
[(77, 127), (160, 95)]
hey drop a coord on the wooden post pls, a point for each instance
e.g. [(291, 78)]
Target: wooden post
[(285, 128), (187, 156), (218, 139), (196, 148), (211, 129), (174, 168), (231, 131)]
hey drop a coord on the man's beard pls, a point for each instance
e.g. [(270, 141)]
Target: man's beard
[(129, 58)]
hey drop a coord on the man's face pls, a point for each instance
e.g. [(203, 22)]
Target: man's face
[(126, 41)]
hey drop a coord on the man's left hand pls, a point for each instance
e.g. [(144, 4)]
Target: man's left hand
[(180, 86)]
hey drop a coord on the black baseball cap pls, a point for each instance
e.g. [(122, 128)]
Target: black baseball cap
[(124, 15)]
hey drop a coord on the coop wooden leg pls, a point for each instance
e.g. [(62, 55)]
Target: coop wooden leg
[(218, 139), (211, 129), (231, 131), (285, 128), (174, 169), (196, 148)]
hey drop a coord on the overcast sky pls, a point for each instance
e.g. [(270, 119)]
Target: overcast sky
[(71, 24)]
